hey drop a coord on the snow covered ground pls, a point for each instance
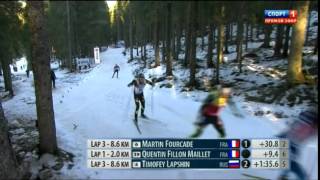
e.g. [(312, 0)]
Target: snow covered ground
[(93, 105)]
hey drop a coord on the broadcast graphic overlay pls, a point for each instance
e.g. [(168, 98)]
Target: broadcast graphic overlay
[(188, 153)]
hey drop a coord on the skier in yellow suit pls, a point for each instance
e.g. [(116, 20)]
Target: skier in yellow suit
[(210, 111)]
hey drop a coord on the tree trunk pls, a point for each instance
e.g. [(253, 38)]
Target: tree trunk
[(164, 36), (127, 38), (202, 38), (137, 49), (239, 44), (187, 38), (29, 60), (315, 51), (210, 46), (193, 34), (231, 33), (141, 51), (251, 32), (9, 168), (308, 26), (226, 51), (156, 41), (173, 39), (214, 38), (164, 51), (247, 36), (187, 47), (267, 32), (286, 42), (279, 38), (42, 80), (144, 55), (257, 31), (295, 74), (131, 36), (137, 36), (168, 51), (7, 75), (220, 45), (262, 29), (69, 37), (178, 49), (118, 25)]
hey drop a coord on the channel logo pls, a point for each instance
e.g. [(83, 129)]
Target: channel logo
[(280, 16)]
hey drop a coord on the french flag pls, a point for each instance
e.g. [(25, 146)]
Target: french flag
[(234, 164), (234, 143), (234, 154)]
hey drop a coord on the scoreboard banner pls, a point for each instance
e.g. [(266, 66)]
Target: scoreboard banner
[(187, 153)]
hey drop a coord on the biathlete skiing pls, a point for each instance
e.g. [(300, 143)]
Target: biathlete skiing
[(116, 69), (209, 112), (302, 129), (139, 83)]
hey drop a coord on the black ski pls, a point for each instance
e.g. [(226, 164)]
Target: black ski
[(148, 119), (254, 177), (137, 126)]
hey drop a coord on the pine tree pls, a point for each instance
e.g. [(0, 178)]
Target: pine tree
[(247, 36), (308, 26), (187, 43), (193, 28), (76, 27), (295, 74), (210, 46), (239, 38), (130, 33), (168, 41), (267, 32), (315, 50), (286, 42), (226, 42), (219, 60), (9, 167), (10, 40), (42, 80), (156, 37), (279, 39)]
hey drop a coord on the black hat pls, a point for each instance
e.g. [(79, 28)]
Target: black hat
[(141, 75)]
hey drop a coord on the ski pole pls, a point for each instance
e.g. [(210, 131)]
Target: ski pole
[(152, 102)]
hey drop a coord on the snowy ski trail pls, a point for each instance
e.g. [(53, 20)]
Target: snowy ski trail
[(102, 107)]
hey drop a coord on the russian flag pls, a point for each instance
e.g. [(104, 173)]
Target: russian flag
[(234, 154), (234, 143), (234, 164)]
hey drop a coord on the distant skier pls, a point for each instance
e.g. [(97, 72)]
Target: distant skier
[(116, 69), (210, 111), (305, 127), (53, 78), (139, 83), (28, 73)]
